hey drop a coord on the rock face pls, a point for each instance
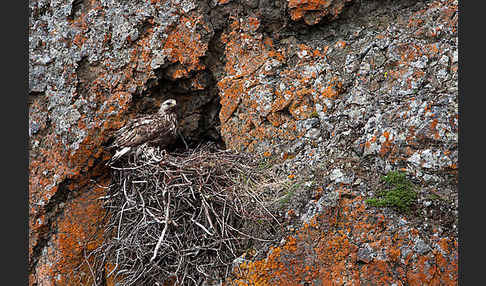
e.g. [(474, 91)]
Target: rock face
[(352, 88)]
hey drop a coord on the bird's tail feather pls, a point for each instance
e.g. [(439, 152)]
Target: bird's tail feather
[(118, 154)]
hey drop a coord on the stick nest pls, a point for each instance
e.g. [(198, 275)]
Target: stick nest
[(183, 218)]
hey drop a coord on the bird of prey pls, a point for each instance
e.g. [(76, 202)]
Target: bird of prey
[(156, 129)]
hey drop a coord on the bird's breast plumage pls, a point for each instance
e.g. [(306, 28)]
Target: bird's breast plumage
[(161, 128)]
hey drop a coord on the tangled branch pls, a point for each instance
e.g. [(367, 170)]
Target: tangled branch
[(183, 217)]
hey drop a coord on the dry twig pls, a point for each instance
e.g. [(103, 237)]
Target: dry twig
[(182, 216)]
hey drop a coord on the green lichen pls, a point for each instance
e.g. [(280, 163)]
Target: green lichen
[(433, 197), (314, 114), (290, 192), (266, 163), (400, 195)]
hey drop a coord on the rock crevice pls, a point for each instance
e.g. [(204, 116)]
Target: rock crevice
[(343, 90)]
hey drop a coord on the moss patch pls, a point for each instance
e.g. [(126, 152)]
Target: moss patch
[(400, 195), (314, 114), (291, 190)]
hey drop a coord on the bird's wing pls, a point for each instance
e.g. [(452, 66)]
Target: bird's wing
[(138, 131)]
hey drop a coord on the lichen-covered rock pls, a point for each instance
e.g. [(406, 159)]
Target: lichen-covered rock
[(312, 11), (383, 86), (349, 245), (91, 62), (353, 89)]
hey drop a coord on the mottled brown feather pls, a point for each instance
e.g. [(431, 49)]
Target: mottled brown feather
[(159, 129), (147, 129)]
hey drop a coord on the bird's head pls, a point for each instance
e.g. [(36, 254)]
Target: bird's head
[(168, 105)]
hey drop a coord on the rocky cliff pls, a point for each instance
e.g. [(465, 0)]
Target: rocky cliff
[(340, 92)]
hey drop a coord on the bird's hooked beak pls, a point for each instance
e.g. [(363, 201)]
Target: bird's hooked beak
[(169, 104)]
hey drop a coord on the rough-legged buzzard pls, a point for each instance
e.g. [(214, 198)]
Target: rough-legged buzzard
[(158, 129)]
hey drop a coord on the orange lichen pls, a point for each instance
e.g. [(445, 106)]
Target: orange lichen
[(316, 8), (433, 128), (334, 89), (386, 146), (246, 52), (79, 233), (184, 46), (53, 162), (341, 44), (324, 252), (254, 24)]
